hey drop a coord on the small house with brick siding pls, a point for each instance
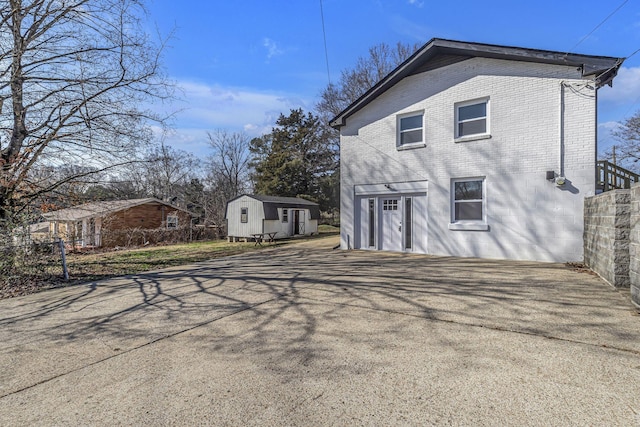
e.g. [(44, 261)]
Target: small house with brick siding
[(257, 216), (106, 223), (473, 150)]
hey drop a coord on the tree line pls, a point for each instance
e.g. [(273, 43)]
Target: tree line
[(75, 77)]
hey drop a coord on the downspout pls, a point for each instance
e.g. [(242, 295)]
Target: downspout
[(561, 135)]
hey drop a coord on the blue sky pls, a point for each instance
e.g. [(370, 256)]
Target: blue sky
[(240, 64)]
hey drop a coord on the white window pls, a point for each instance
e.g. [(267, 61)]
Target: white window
[(472, 118), (410, 130), (468, 204), (285, 215), (244, 214), (172, 221)]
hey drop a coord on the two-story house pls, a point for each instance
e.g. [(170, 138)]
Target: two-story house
[(474, 150)]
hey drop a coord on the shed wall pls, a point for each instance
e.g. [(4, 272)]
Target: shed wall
[(255, 217)]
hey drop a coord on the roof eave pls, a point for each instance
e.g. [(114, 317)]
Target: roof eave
[(603, 68)]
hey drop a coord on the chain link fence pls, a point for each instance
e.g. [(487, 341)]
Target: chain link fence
[(25, 265), (29, 263)]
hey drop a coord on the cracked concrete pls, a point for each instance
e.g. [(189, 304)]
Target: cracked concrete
[(306, 335)]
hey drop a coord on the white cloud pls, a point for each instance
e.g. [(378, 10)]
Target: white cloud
[(625, 90), (207, 107), (417, 3), (272, 48)]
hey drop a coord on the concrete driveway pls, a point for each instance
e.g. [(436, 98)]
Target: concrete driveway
[(305, 335)]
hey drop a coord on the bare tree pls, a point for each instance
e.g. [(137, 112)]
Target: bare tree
[(73, 75), (353, 83), (628, 136), (228, 174), (168, 171)]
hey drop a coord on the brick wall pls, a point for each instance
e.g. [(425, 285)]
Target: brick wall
[(607, 220)]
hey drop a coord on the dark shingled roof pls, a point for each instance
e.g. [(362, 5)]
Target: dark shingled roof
[(440, 52), (271, 204)]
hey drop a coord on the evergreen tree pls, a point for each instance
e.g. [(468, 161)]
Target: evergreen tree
[(296, 159)]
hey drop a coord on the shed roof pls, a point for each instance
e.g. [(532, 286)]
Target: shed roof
[(270, 204), (440, 52), (100, 209)]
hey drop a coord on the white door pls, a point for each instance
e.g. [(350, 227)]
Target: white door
[(391, 224)]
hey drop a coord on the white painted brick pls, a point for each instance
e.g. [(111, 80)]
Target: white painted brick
[(529, 217)]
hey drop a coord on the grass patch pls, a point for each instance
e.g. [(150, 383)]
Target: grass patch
[(328, 229), (94, 266)]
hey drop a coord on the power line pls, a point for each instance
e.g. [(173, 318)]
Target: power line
[(324, 36), (597, 26)]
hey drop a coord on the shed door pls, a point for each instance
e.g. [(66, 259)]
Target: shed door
[(298, 222), (391, 224)]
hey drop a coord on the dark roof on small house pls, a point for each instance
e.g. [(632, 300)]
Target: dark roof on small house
[(271, 204), (438, 53), (100, 209)]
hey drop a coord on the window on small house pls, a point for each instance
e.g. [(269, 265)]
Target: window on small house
[(472, 118), (172, 221), (410, 129), (285, 215), (468, 200), (244, 214)]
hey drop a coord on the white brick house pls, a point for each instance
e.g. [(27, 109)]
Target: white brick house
[(451, 153)]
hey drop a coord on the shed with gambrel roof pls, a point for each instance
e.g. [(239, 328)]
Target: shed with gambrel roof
[(251, 215)]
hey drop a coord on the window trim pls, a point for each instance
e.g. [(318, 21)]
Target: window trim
[(285, 215), (468, 224), (244, 217), (399, 132), (475, 136)]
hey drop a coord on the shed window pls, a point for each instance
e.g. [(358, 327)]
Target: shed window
[(244, 214), (285, 215)]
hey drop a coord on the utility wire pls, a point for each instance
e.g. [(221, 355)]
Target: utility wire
[(324, 36), (597, 26)]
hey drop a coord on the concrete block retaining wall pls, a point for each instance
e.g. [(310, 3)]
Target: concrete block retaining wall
[(612, 238), (634, 245)]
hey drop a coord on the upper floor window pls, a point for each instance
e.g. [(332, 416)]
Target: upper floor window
[(472, 118), (410, 129), (244, 214)]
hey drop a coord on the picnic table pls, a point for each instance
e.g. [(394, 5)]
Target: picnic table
[(262, 237)]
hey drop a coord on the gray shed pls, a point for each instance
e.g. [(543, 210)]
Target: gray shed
[(250, 215)]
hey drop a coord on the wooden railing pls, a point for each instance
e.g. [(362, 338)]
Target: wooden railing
[(610, 176)]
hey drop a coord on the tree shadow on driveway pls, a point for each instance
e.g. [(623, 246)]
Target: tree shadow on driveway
[(286, 293)]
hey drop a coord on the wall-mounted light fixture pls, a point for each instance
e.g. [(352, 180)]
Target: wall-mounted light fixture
[(560, 180), (388, 187)]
